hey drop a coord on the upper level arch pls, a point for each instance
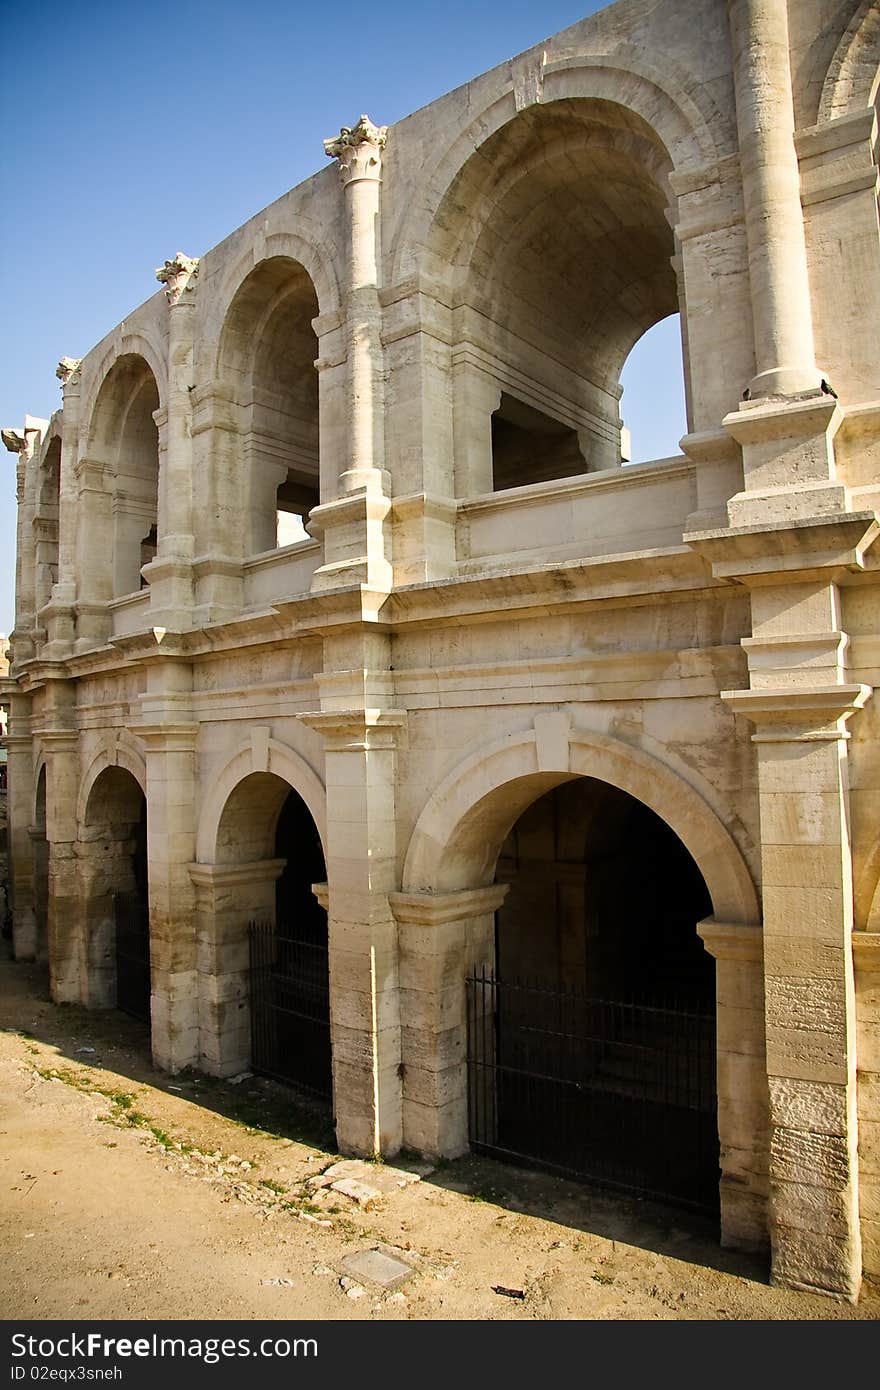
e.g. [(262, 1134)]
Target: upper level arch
[(853, 78), (266, 356), (123, 440), (682, 122)]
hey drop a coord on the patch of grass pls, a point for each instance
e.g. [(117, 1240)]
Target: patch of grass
[(272, 1185), (601, 1278)]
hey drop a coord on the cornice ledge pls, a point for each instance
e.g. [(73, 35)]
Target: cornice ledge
[(736, 941), (229, 875), (819, 708), (433, 909), (866, 952)]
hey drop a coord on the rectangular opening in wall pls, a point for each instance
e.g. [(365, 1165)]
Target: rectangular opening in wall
[(531, 447)]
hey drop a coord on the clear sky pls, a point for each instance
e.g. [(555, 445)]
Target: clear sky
[(132, 131)]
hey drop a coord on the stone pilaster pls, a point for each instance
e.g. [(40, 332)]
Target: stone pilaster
[(170, 574), (60, 613), (227, 897), (354, 523), (60, 746), (799, 701), (866, 961), (743, 1119), (23, 443), (784, 350), (20, 781), (170, 736), (442, 938), (360, 750)]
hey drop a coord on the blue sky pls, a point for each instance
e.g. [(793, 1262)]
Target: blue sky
[(130, 132)]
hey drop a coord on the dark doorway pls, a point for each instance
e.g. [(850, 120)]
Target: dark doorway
[(289, 960), (131, 912), (592, 1046)]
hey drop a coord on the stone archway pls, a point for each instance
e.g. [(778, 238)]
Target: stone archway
[(112, 863), (450, 876), (261, 933)]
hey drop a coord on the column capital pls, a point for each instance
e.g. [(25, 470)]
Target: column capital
[(359, 151), (231, 875), (67, 371), (736, 941), (432, 909), (178, 275)]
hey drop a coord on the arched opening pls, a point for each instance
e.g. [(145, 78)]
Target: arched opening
[(124, 438), (653, 405), (268, 349), (41, 871), (46, 524), (270, 935), (113, 855), (592, 1042), (563, 257)]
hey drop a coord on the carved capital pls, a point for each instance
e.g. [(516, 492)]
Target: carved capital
[(14, 440), (359, 150), (178, 275), (67, 370)]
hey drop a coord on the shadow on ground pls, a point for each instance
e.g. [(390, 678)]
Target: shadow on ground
[(113, 1042)]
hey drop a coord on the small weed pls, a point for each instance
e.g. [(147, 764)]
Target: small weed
[(272, 1185), (602, 1279)]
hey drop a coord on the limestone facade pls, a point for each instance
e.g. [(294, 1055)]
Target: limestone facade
[(418, 351)]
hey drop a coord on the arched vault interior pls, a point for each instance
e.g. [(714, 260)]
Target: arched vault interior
[(562, 257)]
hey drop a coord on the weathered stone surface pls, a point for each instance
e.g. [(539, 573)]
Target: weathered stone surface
[(330, 564)]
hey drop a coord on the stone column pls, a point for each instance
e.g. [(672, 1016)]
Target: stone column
[(22, 443), (361, 870), (60, 612), (784, 351), (61, 749), (170, 574), (799, 701), (354, 527), (743, 1122), (866, 960), (808, 981), (442, 938), (227, 897), (20, 782), (220, 538), (170, 736)]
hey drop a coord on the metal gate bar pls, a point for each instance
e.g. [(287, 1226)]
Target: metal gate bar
[(132, 919), (290, 1009), (621, 1094)]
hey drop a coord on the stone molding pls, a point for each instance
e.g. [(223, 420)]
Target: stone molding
[(432, 909), (735, 941), (798, 714), (233, 875), (866, 952), (357, 730)]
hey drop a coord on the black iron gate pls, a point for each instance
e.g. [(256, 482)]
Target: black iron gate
[(290, 1009), (620, 1094), (132, 919)]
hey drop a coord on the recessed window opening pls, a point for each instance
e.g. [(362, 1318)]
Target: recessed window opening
[(531, 447)]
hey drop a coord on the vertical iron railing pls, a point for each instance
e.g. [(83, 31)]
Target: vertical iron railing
[(132, 919), (290, 1009), (620, 1093)]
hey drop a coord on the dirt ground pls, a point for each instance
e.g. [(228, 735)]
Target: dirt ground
[(130, 1194)]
